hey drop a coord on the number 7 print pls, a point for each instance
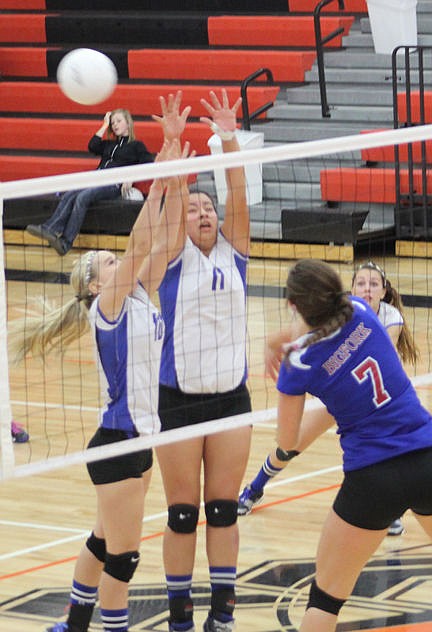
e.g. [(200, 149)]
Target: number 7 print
[(370, 368)]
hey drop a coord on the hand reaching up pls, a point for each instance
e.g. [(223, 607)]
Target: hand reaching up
[(172, 121), (223, 119)]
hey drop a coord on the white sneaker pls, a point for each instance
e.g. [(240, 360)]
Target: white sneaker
[(248, 499), (396, 528), (213, 625)]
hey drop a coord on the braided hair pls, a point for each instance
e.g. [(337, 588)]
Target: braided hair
[(317, 293)]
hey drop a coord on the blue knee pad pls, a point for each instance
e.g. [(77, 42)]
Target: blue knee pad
[(122, 566), (183, 518), (321, 600), (221, 513)]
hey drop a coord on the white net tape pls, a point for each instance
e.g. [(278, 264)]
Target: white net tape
[(38, 186)]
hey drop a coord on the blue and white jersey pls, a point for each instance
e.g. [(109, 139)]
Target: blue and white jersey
[(128, 362), (389, 315), (203, 302), (357, 374)]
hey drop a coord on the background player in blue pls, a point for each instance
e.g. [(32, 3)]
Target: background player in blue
[(338, 351), (203, 375), (128, 331), (369, 282)]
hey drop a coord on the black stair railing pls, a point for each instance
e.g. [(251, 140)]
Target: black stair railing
[(320, 42), (413, 207), (247, 115)]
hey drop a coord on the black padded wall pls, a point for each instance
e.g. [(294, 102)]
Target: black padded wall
[(131, 29), (208, 6), (118, 57)]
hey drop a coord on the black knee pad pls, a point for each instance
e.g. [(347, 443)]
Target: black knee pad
[(181, 609), (122, 566), (321, 600), (221, 513), (183, 518), (97, 546), (286, 455), (223, 600)]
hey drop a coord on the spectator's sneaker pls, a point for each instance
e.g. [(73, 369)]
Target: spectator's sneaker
[(19, 435), (55, 241), (58, 627), (59, 244), (396, 528), (37, 230), (213, 625), (248, 499)]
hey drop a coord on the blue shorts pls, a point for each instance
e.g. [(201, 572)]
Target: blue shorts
[(374, 496)]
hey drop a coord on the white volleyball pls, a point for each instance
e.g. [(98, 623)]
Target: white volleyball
[(87, 76)]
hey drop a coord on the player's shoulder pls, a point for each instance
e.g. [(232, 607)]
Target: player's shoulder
[(389, 313)]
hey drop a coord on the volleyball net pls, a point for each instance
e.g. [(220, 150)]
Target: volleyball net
[(309, 192)]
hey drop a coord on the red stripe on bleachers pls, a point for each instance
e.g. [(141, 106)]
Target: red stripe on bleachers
[(22, 4), (415, 107), (38, 97), (22, 28), (22, 167), (273, 30), (23, 62), (367, 185), (387, 154), (351, 6), (73, 135), (218, 65)]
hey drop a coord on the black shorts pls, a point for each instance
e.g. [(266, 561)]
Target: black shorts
[(374, 496), (117, 468), (178, 409)]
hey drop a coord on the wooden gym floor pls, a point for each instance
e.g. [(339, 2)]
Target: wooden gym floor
[(45, 518)]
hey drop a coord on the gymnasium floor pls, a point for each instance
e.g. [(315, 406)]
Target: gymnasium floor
[(45, 518)]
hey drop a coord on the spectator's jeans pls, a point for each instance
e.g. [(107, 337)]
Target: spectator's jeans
[(67, 219)]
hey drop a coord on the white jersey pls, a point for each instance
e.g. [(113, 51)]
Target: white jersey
[(128, 362), (389, 315), (203, 301)]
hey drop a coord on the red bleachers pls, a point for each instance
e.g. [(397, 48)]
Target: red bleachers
[(367, 185), (28, 5), (23, 62), (415, 107), (387, 154), (73, 134), (307, 6), (180, 65), (40, 97), (18, 28), (22, 167), (217, 65), (272, 30)]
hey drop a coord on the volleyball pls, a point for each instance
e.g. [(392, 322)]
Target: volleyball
[(86, 76)]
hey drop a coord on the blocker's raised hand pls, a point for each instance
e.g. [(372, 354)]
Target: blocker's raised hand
[(173, 121), (223, 117)]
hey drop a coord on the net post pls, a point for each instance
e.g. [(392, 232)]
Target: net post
[(7, 459)]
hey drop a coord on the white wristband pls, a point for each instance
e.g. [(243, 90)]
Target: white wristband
[(223, 134)]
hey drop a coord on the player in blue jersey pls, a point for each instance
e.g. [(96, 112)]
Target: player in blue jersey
[(370, 283), (337, 350), (114, 295), (203, 377)]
